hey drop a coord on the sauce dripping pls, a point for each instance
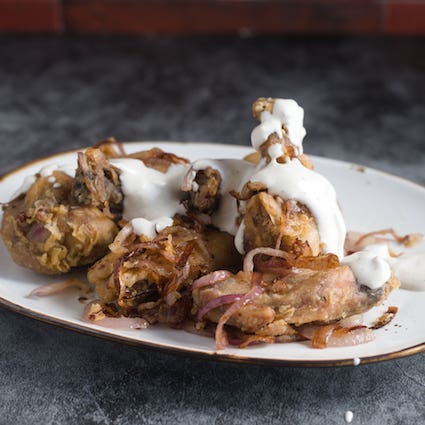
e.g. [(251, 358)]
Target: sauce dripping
[(148, 193)]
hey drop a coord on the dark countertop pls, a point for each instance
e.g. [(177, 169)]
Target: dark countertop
[(364, 102)]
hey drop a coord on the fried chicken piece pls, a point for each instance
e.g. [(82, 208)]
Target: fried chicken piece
[(150, 265), (63, 222), (207, 196), (150, 278), (302, 296), (266, 104), (287, 225), (164, 266), (43, 232), (97, 183)]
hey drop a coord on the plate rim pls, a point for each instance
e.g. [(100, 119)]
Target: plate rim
[(185, 351)]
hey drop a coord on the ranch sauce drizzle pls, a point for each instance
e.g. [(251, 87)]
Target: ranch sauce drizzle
[(291, 180), (373, 266), (45, 171), (148, 193), (285, 112), (150, 228)]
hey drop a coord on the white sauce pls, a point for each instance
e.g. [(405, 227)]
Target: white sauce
[(349, 415), (269, 125), (292, 180), (408, 268), (148, 193), (25, 186), (292, 116), (285, 112), (234, 173), (370, 269), (150, 228), (356, 361), (45, 171), (239, 238)]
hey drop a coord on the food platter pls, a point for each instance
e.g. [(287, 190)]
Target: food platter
[(369, 199)]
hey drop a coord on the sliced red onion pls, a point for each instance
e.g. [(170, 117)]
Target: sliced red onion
[(354, 336), (172, 297), (58, 287), (252, 294), (336, 336), (122, 323), (211, 279), (38, 233), (115, 322), (217, 302), (308, 331), (257, 339), (234, 341), (248, 263), (322, 335), (117, 246), (356, 241), (189, 327), (350, 322)]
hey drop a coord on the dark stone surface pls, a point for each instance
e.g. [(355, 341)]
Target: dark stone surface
[(364, 102)]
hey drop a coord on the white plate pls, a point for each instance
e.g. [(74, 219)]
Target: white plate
[(370, 200)]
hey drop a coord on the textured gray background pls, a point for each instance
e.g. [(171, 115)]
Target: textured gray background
[(364, 102)]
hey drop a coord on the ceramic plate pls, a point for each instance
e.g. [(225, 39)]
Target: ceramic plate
[(370, 200)]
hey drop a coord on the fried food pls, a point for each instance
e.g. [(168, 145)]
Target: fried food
[(254, 247), (287, 225), (301, 296), (43, 231), (152, 277)]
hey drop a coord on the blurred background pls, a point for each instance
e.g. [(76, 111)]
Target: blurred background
[(73, 72), (214, 16), (76, 71)]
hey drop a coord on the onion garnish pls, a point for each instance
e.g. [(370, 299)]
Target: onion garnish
[(255, 291), (58, 287), (321, 336), (349, 322), (335, 335), (248, 263), (257, 339), (118, 244), (356, 241), (343, 337), (217, 302), (93, 313), (385, 318), (211, 278)]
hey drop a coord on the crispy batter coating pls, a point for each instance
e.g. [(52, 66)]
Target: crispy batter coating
[(43, 232), (207, 196), (153, 265), (287, 225), (301, 296)]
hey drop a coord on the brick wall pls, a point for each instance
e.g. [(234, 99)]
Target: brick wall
[(378, 17)]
